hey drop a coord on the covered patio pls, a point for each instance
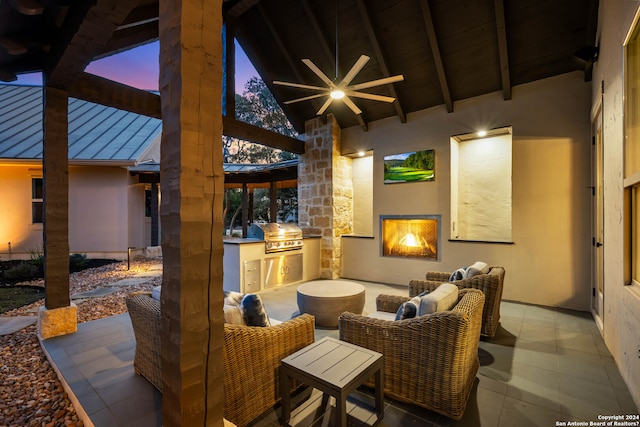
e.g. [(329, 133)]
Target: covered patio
[(463, 64), (539, 367)]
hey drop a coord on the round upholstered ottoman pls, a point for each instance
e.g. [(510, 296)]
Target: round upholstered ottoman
[(327, 299)]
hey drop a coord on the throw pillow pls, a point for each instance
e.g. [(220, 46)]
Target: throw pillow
[(253, 311), (409, 309), (233, 315), (457, 275), (474, 269), (155, 292), (443, 298), (232, 298)]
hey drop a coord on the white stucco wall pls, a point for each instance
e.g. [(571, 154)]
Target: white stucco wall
[(549, 262), (621, 319), (362, 196), (481, 171), (99, 220)]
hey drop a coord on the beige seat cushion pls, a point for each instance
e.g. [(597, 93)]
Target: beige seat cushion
[(443, 298)]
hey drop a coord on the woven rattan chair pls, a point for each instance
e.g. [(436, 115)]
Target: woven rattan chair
[(252, 356), (430, 360), (490, 282)]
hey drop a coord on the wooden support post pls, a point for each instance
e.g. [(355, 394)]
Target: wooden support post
[(154, 214), (58, 317), (251, 208), (245, 211), (192, 183), (273, 202)]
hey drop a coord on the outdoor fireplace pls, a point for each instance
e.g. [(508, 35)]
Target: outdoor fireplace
[(410, 236)]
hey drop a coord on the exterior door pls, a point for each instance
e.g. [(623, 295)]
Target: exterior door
[(597, 303)]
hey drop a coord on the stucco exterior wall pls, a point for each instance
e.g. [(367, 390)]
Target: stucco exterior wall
[(16, 230), (548, 263), (621, 317), (100, 199)]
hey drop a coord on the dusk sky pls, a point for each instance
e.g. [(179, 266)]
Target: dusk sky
[(138, 67)]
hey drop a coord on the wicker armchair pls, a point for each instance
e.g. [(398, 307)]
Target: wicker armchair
[(430, 360), (490, 283), (253, 355)]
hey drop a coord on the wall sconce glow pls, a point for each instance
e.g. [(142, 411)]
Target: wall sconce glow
[(337, 94), (361, 153), (482, 133)]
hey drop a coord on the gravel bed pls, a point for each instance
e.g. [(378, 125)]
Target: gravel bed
[(30, 392)]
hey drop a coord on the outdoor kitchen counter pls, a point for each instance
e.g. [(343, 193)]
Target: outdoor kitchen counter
[(245, 263)]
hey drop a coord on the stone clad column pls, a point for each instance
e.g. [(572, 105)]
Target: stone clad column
[(325, 192), (192, 184), (59, 315)]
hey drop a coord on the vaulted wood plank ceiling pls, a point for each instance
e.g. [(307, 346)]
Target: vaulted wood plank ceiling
[(447, 50)]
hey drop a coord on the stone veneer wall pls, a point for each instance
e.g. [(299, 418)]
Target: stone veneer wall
[(325, 192)]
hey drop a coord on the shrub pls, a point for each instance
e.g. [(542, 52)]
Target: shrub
[(77, 261), (22, 271), (37, 256)]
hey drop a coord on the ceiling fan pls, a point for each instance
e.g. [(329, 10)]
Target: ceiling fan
[(342, 90)]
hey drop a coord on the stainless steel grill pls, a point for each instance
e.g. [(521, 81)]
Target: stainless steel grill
[(277, 237)]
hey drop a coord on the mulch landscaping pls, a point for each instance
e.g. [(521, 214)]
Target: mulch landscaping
[(30, 392)]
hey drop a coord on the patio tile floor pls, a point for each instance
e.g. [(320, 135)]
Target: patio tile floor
[(544, 365)]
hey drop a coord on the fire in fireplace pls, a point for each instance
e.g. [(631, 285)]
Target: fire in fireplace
[(410, 236)]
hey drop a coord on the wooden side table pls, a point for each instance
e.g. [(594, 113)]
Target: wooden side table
[(336, 368)]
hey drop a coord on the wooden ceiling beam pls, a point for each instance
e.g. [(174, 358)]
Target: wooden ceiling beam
[(285, 52), (502, 48), (107, 92), (375, 44), (435, 51), (260, 177), (241, 7), (88, 27), (28, 7), (141, 15), (7, 76), (113, 94), (319, 34), (129, 38), (12, 47), (246, 132)]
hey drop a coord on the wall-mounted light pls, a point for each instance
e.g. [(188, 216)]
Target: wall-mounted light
[(482, 133), (361, 153)]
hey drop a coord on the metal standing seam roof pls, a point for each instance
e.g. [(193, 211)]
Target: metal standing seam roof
[(96, 132)]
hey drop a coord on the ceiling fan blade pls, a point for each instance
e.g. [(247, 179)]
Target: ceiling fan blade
[(306, 98), (319, 72), (378, 82), (298, 85), (354, 70), (370, 96), (351, 105), (324, 106)]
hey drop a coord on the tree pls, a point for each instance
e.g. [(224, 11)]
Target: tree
[(258, 107)]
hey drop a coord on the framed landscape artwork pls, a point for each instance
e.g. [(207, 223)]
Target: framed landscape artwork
[(415, 166)]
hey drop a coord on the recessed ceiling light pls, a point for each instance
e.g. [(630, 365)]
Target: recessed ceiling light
[(482, 133)]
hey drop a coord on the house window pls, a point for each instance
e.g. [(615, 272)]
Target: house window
[(36, 200), (481, 186), (632, 154)]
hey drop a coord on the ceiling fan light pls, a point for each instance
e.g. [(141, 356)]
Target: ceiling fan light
[(337, 94)]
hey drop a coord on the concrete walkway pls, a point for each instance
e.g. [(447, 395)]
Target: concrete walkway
[(9, 325)]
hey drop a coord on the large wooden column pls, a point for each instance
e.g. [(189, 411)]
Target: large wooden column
[(192, 184), (58, 316)]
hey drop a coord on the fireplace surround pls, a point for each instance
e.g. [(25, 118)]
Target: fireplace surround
[(410, 236)]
